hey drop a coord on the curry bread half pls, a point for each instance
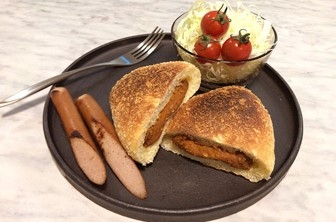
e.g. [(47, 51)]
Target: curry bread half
[(143, 101), (228, 129)]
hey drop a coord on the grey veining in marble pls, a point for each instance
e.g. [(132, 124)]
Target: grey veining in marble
[(39, 39)]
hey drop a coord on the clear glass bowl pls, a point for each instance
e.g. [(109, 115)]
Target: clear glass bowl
[(218, 73)]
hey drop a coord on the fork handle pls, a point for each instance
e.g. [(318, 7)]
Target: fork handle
[(44, 84)]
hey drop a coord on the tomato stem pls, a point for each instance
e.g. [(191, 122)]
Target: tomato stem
[(206, 40), (243, 39), (221, 17), (219, 10)]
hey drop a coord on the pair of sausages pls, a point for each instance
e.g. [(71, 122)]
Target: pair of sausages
[(85, 151)]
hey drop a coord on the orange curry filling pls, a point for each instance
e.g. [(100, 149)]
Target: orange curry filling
[(237, 159), (155, 131)]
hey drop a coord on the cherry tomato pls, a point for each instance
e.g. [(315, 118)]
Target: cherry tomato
[(207, 47), (215, 23), (237, 47)]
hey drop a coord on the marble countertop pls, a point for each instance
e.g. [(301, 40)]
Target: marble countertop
[(41, 38)]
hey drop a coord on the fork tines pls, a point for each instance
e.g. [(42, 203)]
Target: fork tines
[(148, 45)]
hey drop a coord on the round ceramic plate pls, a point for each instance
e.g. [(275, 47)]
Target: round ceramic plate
[(178, 188)]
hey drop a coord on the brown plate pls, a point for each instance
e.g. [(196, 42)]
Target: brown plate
[(178, 188)]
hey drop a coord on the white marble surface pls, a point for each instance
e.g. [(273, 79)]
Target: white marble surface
[(38, 39)]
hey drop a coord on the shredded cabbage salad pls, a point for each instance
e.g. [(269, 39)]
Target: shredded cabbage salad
[(241, 17), (261, 36)]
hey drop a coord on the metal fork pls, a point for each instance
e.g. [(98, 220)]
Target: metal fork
[(136, 55)]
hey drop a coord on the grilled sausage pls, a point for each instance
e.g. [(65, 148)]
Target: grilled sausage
[(102, 128), (82, 145)]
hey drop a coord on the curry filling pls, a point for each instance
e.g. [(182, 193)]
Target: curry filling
[(155, 131), (236, 159)]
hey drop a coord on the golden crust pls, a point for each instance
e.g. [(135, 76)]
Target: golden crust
[(141, 90), (232, 117), (139, 94)]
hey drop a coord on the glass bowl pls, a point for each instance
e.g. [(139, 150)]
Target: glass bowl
[(219, 73)]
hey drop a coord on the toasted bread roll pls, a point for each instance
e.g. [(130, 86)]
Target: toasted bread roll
[(81, 142), (143, 101), (228, 129), (102, 128)]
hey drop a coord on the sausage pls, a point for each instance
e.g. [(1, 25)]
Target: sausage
[(102, 128), (83, 147), (238, 159), (155, 131)]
